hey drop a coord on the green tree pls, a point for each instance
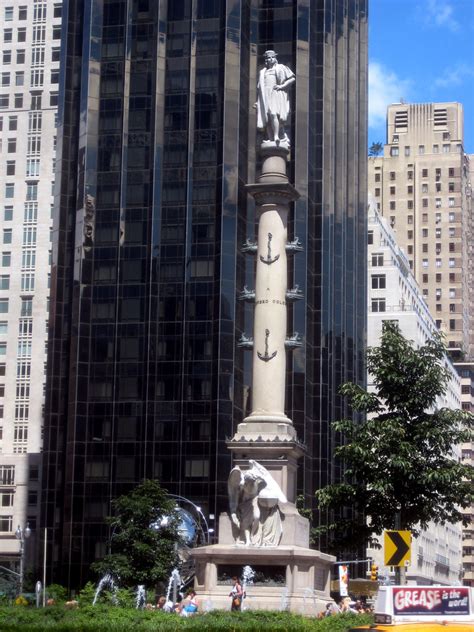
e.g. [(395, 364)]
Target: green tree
[(400, 470), (376, 149), (144, 537)]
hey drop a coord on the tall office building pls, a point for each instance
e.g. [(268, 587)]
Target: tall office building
[(157, 138), (422, 186), (30, 37)]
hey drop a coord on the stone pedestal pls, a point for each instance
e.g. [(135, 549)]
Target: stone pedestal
[(287, 577)]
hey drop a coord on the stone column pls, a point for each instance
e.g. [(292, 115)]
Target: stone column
[(267, 435), (272, 193)]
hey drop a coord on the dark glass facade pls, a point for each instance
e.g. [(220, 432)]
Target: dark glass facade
[(156, 142)]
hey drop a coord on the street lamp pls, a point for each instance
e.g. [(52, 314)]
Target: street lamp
[(22, 535)]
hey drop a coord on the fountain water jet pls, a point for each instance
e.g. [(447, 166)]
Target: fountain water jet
[(107, 581), (141, 596)]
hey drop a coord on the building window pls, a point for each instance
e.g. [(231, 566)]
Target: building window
[(452, 324), (392, 190), (6, 499), (7, 235), (452, 263), (452, 217), (409, 234), (6, 523), (4, 281), (35, 105), (378, 305), (6, 259), (446, 148), (21, 35), (436, 149), (370, 237), (394, 151), (22, 13), (424, 202), (424, 248), (377, 259), (32, 192), (425, 263), (424, 232), (438, 263), (11, 145), (377, 177), (407, 150), (392, 205), (377, 192), (410, 205), (7, 474), (56, 32), (18, 101), (421, 149), (378, 281), (196, 468), (55, 76)]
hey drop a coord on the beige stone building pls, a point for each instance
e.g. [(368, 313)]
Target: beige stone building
[(422, 185), (29, 87)]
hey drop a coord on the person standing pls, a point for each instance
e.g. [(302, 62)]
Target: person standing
[(237, 594)]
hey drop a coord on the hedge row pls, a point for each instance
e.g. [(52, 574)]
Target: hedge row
[(102, 618)]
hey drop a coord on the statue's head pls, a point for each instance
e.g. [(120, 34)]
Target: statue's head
[(270, 58)]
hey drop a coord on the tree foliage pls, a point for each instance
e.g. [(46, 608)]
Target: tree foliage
[(144, 536), (400, 468), (376, 149)]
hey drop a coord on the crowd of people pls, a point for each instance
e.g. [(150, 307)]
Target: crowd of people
[(189, 605), (357, 606)]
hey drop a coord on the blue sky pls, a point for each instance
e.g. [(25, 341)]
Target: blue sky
[(421, 51)]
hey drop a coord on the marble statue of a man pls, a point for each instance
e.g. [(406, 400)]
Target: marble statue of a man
[(273, 104)]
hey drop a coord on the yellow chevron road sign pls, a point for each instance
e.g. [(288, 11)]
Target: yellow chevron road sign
[(397, 548)]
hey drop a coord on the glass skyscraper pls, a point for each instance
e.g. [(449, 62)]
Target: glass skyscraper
[(157, 138)]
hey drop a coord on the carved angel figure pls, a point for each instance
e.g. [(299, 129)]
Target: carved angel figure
[(253, 502)]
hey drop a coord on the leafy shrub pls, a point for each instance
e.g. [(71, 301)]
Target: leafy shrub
[(102, 618), (56, 592)]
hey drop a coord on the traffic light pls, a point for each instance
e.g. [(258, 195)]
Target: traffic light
[(374, 573)]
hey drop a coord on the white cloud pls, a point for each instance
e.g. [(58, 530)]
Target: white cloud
[(455, 76), (384, 88), (440, 13)]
